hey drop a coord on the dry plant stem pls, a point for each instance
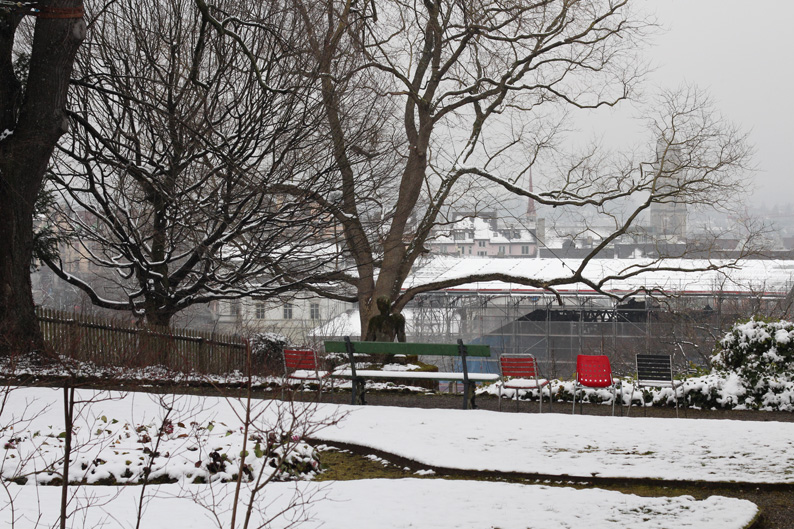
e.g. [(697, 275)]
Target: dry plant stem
[(260, 484), (3, 482), (147, 470), (246, 425), (68, 416), (10, 502)]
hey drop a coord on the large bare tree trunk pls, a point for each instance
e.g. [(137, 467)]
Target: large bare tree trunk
[(29, 132)]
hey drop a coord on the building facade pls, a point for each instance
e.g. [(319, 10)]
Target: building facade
[(295, 317), (486, 236)]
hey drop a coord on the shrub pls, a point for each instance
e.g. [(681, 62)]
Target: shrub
[(757, 350), (267, 350), (759, 356)]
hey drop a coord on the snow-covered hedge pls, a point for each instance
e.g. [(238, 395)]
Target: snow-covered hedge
[(756, 361), (109, 451), (757, 350), (716, 390)]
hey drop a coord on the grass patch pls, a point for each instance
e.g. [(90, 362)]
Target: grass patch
[(342, 465)]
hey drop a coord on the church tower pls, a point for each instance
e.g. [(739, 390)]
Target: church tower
[(668, 217)]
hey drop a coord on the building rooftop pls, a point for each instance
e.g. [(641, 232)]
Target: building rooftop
[(772, 277)]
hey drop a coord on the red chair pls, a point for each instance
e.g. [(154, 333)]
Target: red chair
[(593, 371), (301, 365), (522, 370)]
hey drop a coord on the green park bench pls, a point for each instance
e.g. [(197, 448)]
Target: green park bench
[(460, 350)]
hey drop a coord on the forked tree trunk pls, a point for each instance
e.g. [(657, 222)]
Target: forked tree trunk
[(28, 135)]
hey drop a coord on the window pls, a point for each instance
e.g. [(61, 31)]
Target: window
[(501, 250), (482, 254), (234, 307), (525, 250), (481, 244), (288, 311), (259, 313), (314, 311)]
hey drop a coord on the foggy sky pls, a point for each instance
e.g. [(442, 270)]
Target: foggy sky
[(742, 53)]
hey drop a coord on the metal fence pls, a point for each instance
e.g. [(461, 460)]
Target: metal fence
[(116, 343), (686, 327)]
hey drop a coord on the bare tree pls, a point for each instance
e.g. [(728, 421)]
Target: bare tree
[(699, 160), (32, 118), (457, 97), (170, 176)]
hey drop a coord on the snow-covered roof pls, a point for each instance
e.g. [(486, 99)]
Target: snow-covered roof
[(477, 229), (750, 276), (757, 277), (346, 324)]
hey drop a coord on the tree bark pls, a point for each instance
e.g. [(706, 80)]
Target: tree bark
[(29, 132)]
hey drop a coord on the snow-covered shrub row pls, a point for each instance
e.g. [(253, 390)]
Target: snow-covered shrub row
[(159, 375), (753, 368), (118, 452), (716, 390), (90, 372)]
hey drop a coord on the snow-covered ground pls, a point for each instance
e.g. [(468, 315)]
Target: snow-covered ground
[(390, 504), (116, 435), (576, 445)]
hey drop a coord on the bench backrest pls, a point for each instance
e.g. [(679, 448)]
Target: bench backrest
[(299, 359), (518, 366), (593, 371), (404, 348), (654, 370)]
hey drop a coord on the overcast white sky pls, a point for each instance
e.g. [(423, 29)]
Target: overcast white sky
[(743, 54)]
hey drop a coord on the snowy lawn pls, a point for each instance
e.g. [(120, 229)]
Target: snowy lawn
[(577, 445), (394, 504), (118, 435)]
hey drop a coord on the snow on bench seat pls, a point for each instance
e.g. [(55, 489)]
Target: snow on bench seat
[(416, 375)]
